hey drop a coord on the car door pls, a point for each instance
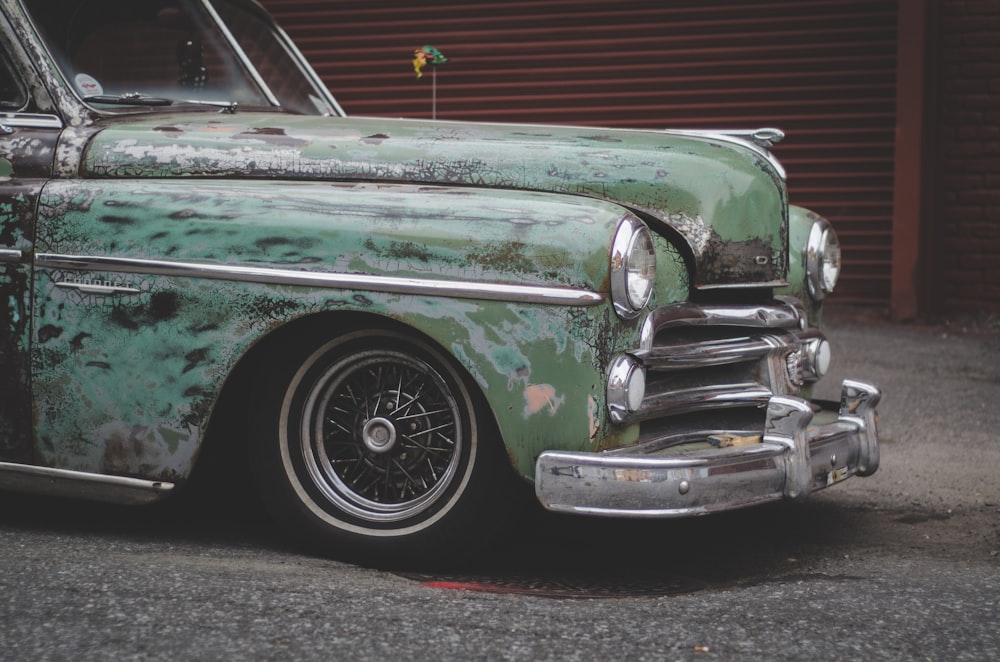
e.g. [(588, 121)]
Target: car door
[(27, 151)]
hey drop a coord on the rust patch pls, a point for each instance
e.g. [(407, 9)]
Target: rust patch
[(76, 344), (48, 332), (164, 305), (736, 262), (271, 136), (375, 139), (124, 455), (601, 139), (506, 256), (594, 416), (734, 440), (193, 359), (400, 250)]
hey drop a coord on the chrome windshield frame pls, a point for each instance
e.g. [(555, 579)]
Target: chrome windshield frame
[(240, 53), (304, 67), (76, 110), (309, 72)]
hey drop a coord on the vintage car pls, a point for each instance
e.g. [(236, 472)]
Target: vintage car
[(390, 326)]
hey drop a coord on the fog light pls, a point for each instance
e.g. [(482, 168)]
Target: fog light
[(816, 357), (626, 387)]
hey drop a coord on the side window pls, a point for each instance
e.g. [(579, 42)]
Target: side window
[(13, 96)]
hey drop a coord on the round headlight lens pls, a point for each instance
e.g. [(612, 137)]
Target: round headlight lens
[(633, 267), (641, 268), (822, 259)]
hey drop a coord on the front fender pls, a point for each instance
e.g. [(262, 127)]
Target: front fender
[(148, 293), (800, 222)]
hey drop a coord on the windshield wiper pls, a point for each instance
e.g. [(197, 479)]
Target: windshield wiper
[(223, 106), (140, 99), (128, 99)]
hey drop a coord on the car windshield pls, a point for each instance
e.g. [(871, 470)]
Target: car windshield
[(176, 53)]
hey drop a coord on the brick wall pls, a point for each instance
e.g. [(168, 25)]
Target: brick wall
[(966, 246)]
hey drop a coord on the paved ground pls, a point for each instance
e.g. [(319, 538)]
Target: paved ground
[(903, 565)]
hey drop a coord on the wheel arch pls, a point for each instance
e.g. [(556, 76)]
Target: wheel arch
[(227, 426)]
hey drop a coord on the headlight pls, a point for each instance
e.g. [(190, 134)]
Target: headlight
[(822, 259), (633, 267)]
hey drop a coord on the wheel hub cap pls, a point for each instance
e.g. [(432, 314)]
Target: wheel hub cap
[(379, 435)]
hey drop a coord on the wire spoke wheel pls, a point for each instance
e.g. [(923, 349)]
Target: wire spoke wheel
[(382, 437), (375, 447)]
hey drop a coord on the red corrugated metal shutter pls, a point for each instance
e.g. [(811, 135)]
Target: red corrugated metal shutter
[(824, 71)]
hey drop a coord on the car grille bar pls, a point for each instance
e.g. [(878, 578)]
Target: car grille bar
[(706, 358)]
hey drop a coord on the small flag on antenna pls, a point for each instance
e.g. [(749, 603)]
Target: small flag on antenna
[(427, 55)]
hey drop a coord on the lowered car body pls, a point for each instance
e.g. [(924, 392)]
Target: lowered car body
[(392, 325)]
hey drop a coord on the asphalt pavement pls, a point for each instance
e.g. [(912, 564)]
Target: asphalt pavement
[(904, 565)]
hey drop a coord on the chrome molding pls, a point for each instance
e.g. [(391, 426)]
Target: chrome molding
[(95, 287), (858, 402), (309, 72), (706, 354), (765, 137), (787, 315), (240, 53), (10, 255), (757, 140), (393, 284), (714, 357), (630, 230), (30, 121), (675, 401), (742, 286), (97, 487)]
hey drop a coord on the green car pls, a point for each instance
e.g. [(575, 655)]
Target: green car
[(393, 327)]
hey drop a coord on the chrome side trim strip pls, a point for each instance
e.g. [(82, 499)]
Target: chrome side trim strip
[(79, 484), (393, 284), (94, 288), (30, 121), (10, 255)]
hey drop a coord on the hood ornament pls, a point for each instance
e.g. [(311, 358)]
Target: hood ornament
[(767, 137)]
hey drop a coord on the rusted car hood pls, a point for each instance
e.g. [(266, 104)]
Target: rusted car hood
[(726, 201)]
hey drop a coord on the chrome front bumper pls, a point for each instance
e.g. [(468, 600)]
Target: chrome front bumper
[(792, 458)]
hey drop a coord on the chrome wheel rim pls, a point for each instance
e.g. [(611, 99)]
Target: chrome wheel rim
[(381, 436)]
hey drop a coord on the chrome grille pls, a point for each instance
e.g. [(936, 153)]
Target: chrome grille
[(703, 360)]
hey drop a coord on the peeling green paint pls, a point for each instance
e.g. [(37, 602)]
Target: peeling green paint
[(17, 202), (731, 203), (127, 383)]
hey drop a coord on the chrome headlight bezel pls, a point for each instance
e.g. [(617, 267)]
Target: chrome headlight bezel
[(633, 267), (823, 259)]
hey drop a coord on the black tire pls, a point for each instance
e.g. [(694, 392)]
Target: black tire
[(374, 450)]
